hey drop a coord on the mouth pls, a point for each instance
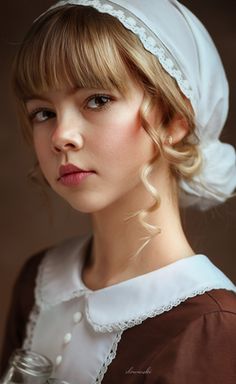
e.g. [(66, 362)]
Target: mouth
[(69, 169), (71, 175)]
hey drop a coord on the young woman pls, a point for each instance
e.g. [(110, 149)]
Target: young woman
[(124, 102)]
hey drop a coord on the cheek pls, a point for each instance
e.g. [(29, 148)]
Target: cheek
[(121, 138)]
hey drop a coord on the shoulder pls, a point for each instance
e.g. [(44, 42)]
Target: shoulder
[(219, 303), (26, 280), (193, 342), (200, 341), (58, 251), (217, 300), (30, 267), (23, 292), (209, 320), (174, 321), (54, 254), (210, 315), (213, 301)]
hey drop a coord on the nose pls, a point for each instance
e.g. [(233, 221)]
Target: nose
[(67, 137)]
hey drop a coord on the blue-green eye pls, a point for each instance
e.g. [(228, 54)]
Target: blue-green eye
[(98, 101), (42, 115)]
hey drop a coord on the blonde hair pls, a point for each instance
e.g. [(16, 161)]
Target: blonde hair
[(77, 46)]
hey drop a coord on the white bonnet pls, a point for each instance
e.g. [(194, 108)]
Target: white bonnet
[(186, 51)]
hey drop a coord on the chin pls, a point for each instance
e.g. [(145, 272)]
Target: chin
[(83, 208), (87, 205), (91, 201)]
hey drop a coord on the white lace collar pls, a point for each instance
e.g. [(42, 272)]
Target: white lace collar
[(128, 303)]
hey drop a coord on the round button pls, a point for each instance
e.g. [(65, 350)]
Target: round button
[(58, 360), (67, 338), (77, 317)]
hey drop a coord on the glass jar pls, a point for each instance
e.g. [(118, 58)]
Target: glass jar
[(27, 367)]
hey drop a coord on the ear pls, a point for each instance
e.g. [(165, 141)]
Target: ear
[(178, 128)]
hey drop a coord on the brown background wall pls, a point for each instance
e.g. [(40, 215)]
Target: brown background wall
[(25, 224)]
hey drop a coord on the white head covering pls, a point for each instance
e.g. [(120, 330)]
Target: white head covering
[(185, 50)]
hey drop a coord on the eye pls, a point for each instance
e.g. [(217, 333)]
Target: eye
[(98, 101), (41, 115)]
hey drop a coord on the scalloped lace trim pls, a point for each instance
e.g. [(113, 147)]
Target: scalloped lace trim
[(123, 325), (34, 314), (39, 280), (33, 318), (110, 357), (150, 40)]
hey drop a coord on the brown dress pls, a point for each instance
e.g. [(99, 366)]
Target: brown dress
[(195, 342)]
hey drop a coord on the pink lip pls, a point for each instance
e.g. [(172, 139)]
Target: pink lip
[(71, 175)]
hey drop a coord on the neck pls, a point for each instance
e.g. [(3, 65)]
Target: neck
[(115, 241)]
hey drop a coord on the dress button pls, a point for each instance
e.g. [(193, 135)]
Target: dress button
[(67, 338), (77, 317), (58, 360)]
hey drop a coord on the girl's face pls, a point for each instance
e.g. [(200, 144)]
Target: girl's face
[(94, 130)]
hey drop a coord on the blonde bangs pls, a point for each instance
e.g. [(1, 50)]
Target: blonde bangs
[(70, 47)]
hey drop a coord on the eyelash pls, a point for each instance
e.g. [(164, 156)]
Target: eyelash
[(34, 113), (99, 95), (108, 98)]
